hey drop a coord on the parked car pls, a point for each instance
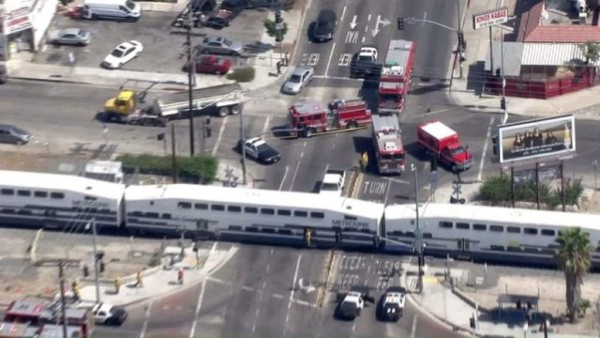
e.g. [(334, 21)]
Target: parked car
[(211, 64), (298, 80), (220, 45), (122, 54), (14, 135), (3, 74), (70, 36), (259, 150), (324, 28)]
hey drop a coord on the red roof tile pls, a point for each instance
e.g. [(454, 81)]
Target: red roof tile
[(558, 34)]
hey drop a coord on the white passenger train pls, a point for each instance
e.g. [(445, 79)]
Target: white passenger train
[(277, 217)]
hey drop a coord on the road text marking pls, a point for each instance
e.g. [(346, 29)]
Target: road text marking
[(146, 317), (345, 60), (198, 307), (485, 147)]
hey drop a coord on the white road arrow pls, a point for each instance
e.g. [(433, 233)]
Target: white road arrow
[(376, 29), (354, 22), (306, 289), (385, 22)]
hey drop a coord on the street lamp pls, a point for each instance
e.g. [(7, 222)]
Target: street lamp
[(92, 224), (413, 168)]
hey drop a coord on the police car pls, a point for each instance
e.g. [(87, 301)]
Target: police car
[(259, 150), (352, 304), (391, 304)]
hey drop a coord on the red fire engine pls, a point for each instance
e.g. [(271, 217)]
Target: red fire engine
[(395, 76), (308, 118), (388, 145)]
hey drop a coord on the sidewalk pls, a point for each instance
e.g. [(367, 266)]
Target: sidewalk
[(162, 279), (263, 63), (466, 92), (450, 307)]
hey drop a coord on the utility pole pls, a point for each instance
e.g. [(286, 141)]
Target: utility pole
[(191, 66), (420, 257), (63, 305), (173, 154), (461, 39), (243, 145), (96, 270)]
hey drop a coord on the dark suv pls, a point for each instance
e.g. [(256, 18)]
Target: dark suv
[(325, 25)]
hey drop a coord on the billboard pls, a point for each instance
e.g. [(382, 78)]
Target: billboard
[(536, 138), (495, 17)]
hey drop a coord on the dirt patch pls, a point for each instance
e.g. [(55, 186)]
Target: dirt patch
[(37, 162)]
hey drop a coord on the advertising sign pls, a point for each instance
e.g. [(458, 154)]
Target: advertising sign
[(492, 18), (536, 138), (17, 20), (546, 173)]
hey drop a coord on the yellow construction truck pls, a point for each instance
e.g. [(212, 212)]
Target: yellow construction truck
[(219, 100)]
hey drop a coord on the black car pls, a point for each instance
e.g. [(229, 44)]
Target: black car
[(324, 28), (216, 22), (14, 135), (259, 150), (119, 315)]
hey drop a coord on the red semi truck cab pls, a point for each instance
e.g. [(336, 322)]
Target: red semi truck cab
[(442, 142)]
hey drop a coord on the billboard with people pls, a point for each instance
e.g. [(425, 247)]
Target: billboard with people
[(536, 138)]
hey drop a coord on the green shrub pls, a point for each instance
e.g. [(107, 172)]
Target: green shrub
[(199, 169), (495, 189), (244, 74)]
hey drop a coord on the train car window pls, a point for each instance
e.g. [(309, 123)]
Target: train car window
[(513, 248), (7, 192), (513, 230), (184, 205), (530, 231), (23, 193), (201, 206), (152, 214), (480, 227), (267, 211), (235, 228), (350, 218), (90, 198), (166, 216), (251, 210), (497, 247), (217, 207), (57, 195), (548, 232), (300, 213), (446, 225), (463, 226), (137, 213), (531, 250), (409, 234), (496, 228), (284, 212), (41, 194), (234, 208), (427, 235), (317, 214)]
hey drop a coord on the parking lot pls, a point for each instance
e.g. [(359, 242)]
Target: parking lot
[(164, 51)]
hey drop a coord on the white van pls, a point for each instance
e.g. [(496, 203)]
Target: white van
[(111, 9)]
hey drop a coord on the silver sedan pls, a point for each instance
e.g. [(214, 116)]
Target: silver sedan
[(70, 36), (298, 80)]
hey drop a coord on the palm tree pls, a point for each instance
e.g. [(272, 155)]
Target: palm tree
[(574, 258)]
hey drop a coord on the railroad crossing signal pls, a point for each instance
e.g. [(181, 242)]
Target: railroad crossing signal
[(400, 24), (457, 189)]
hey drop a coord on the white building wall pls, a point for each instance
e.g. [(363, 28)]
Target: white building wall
[(41, 17)]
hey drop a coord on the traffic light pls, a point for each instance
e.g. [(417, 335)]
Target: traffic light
[(503, 103), (160, 137), (472, 322), (461, 41), (495, 145), (86, 271), (102, 266), (518, 305), (434, 163), (278, 18), (208, 132), (421, 260), (400, 24)]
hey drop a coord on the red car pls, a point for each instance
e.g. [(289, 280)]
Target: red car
[(211, 65)]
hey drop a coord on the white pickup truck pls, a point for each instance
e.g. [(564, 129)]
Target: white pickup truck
[(106, 314), (333, 183)]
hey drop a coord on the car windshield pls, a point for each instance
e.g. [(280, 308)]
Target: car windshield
[(129, 4), (295, 78), (329, 187), (81, 33), (457, 150), (262, 147), (227, 42), (365, 58), (117, 53)]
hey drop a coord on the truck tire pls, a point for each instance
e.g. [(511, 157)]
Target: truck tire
[(308, 132), (352, 125), (223, 111), (235, 109)]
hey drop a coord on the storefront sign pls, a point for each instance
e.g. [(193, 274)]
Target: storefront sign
[(17, 20), (491, 18)]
